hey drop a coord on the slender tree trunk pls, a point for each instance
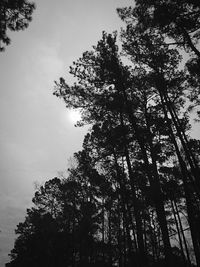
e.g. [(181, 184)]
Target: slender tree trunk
[(119, 238), (182, 232), (124, 240), (154, 184), (103, 230), (137, 210), (185, 175), (158, 198), (162, 89), (110, 237), (178, 231), (125, 203), (145, 235)]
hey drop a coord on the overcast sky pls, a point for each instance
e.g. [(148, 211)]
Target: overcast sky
[(36, 136)]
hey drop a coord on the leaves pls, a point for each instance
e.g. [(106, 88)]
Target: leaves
[(15, 16)]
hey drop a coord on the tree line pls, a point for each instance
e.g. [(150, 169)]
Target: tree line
[(132, 196)]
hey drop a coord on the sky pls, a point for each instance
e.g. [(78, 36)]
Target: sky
[(37, 137)]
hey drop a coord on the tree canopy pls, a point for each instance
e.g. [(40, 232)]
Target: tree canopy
[(132, 197), (15, 15)]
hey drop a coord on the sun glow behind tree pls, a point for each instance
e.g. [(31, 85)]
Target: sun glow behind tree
[(73, 116)]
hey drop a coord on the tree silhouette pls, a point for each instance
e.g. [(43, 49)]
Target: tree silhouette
[(134, 189), (15, 15), (178, 20), (108, 90)]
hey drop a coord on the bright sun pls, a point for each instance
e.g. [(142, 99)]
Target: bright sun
[(74, 116)]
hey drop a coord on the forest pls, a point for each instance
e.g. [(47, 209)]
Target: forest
[(132, 194)]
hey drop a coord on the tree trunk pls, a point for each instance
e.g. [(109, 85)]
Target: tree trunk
[(162, 89), (185, 175), (183, 235), (178, 232), (154, 183)]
